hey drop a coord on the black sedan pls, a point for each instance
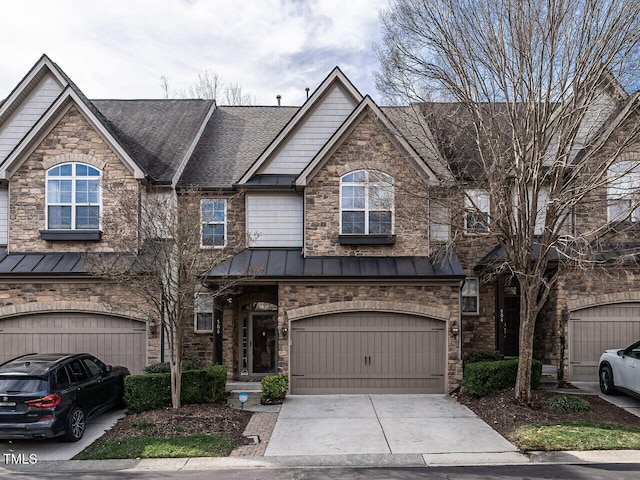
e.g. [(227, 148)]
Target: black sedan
[(49, 395)]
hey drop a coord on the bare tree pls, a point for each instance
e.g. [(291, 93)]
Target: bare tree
[(209, 86), (157, 256), (532, 84)]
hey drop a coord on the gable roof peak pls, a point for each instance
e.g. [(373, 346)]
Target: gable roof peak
[(336, 76)]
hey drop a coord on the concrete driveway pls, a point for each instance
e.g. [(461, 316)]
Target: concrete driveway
[(56, 449), (430, 425)]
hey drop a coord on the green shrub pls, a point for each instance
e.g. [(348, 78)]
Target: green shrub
[(217, 376), (485, 378), (274, 387), (196, 387), (476, 356), (147, 392), (165, 368), (568, 404), (153, 390)]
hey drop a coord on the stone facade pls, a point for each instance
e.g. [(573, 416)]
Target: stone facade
[(91, 296), (368, 147), (439, 301), (72, 139)]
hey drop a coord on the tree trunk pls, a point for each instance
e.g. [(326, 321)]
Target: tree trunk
[(176, 381), (528, 314)]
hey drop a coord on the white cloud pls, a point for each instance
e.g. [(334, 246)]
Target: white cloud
[(120, 49)]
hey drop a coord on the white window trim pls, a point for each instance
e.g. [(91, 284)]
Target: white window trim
[(473, 205), (367, 184), (477, 297), (203, 223), (73, 203)]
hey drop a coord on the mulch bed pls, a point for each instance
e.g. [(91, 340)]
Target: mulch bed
[(187, 420), (505, 416)]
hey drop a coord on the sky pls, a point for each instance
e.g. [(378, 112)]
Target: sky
[(120, 49)]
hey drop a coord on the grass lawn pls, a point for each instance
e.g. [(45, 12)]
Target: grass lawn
[(145, 446), (580, 435)]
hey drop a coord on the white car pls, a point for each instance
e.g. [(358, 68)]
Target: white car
[(620, 370)]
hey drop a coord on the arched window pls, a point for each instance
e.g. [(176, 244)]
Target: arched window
[(366, 203), (73, 197)]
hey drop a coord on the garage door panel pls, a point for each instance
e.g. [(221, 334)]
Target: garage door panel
[(594, 330), (116, 341), (367, 352)]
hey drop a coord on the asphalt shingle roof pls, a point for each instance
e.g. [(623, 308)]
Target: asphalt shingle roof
[(156, 133), (233, 139)]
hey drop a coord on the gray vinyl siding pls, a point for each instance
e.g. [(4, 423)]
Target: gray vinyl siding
[(28, 114), (312, 133), (274, 220), (4, 216)]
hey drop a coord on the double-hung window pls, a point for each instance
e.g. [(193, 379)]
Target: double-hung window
[(203, 312), (624, 191), (213, 216), (73, 197), (366, 203), (470, 296), (477, 208)]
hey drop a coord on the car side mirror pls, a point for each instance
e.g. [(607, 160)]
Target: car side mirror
[(620, 353), (108, 368)]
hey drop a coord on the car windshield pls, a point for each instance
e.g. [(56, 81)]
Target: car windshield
[(16, 385)]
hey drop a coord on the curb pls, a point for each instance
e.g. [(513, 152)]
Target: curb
[(370, 460)]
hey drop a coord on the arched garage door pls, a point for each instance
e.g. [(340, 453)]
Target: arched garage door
[(116, 341), (596, 329), (367, 352)]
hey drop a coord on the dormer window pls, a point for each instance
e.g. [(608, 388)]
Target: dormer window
[(73, 197), (366, 203)]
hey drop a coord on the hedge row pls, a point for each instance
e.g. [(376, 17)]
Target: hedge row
[(484, 378), (153, 390)]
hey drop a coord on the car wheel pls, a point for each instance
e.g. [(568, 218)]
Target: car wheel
[(75, 425), (606, 380)]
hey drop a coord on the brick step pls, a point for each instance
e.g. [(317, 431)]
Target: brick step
[(254, 398)]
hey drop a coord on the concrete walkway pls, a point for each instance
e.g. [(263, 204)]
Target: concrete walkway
[(435, 427)]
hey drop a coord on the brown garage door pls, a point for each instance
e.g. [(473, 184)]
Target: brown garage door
[(367, 352), (116, 341), (596, 329)]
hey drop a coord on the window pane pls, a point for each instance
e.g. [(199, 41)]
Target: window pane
[(357, 177), (476, 221), (204, 321), (59, 191), (352, 222), (470, 287), (469, 304), (87, 217), (213, 211), (380, 197), (213, 235), (65, 170), (379, 222), (59, 218), (81, 170), (353, 197)]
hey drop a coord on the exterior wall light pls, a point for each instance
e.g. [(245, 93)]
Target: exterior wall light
[(284, 331), (455, 329)]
